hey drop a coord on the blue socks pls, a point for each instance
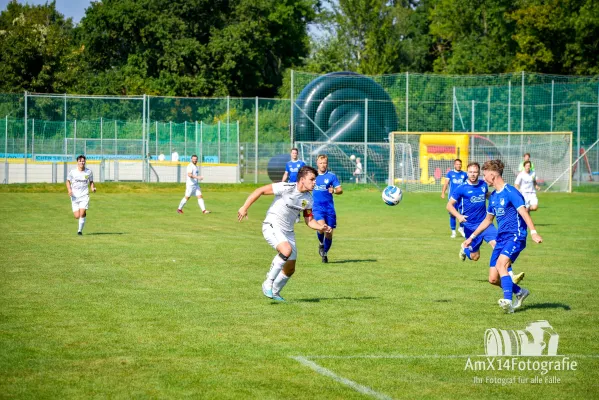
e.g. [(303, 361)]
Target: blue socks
[(320, 237), (508, 287), (327, 244), (452, 222)]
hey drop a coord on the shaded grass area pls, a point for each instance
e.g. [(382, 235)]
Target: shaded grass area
[(149, 303)]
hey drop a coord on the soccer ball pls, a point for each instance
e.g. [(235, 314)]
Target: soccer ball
[(352, 157), (392, 195)]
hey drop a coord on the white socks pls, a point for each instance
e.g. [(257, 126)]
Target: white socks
[(201, 204), (81, 223), (279, 283), (182, 204), (275, 269)]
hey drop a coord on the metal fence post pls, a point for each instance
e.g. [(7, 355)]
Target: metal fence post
[(101, 138), (115, 138), (33, 138), (453, 111), (292, 127), (238, 156), (218, 131), (185, 139), (407, 101), (74, 138), (170, 132), (65, 124), (578, 168), (365, 171), (25, 155), (256, 144)]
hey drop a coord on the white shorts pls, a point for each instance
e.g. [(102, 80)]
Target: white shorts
[(193, 190), (275, 236), (77, 203), (530, 199)]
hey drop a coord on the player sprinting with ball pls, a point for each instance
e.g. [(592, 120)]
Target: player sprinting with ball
[(278, 226), (77, 186), (507, 205)]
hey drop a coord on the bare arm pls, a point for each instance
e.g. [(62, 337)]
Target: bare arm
[(92, 186), (445, 185), (453, 211), (264, 190), (69, 190), (523, 211), (285, 176), (192, 176), (337, 190), (312, 223), (483, 225)]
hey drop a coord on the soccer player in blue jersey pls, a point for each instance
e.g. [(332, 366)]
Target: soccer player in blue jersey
[(471, 198), (454, 179), (507, 205), (292, 167), (327, 184)]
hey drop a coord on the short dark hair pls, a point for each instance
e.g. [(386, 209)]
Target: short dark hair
[(296, 149), (474, 164), (494, 165), (80, 157), (195, 155), (527, 154), (457, 159), (305, 170), (526, 162)]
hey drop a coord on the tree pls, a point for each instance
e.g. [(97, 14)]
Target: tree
[(191, 47), (36, 52)]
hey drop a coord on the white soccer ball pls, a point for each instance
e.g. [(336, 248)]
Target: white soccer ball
[(392, 195), (352, 157)]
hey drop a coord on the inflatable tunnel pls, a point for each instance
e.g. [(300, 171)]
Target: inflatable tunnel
[(332, 107)]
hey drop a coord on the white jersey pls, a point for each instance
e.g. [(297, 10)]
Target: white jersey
[(526, 182), (195, 171), (80, 181), (288, 203)]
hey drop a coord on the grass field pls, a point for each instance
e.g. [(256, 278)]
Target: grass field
[(152, 304)]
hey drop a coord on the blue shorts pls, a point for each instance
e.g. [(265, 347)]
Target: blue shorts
[(329, 217), (510, 247), (488, 234)]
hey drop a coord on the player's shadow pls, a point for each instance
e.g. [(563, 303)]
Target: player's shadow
[(546, 305), (352, 261), (544, 225), (105, 233), (319, 299)]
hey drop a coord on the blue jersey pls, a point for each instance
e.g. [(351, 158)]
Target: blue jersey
[(456, 178), (323, 200), (504, 206), (292, 168), (471, 200)]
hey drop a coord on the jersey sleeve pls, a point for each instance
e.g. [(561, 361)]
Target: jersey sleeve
[(70, 176), (287, 168), (490, 209), (457, 194), (189, 169), (302, 164), (516, 199), (335, 181), (91, 176), (280, 187)]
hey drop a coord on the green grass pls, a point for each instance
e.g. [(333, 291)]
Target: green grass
[(152, 304)]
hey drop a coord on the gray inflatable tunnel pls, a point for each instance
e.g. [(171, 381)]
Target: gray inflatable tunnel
[(332, 107)]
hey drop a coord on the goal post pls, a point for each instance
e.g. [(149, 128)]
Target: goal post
[(419, 161)]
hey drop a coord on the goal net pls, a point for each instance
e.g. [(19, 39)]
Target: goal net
[(419, 161)]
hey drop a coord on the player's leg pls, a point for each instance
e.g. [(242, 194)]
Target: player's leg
[(284, 249), (533, 202), (504, 254), (288, 270), (188, 192), (201, 201), (452, 225), (471, 252), (330, 220), (319, 217), (82, 215)]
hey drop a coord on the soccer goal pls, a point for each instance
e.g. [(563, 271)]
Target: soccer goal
[(419, 161)]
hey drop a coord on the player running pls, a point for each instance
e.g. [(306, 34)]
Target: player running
[(454, 179), (192, 186), (471, 199), (77, 186), (278, 226), (507, 204), (526, 183), (292, 167), (327, 184)]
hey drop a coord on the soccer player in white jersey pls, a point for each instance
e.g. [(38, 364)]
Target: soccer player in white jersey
[(192, 186), (77, 186), (278, 226), (507, 205), (526, 183)]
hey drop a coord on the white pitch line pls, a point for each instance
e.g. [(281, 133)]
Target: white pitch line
[(390, 356), (328, 373)]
